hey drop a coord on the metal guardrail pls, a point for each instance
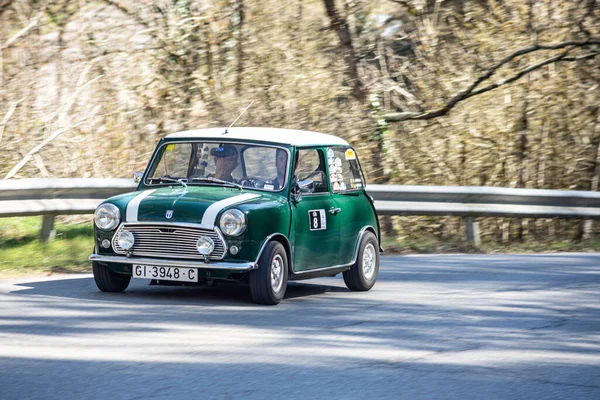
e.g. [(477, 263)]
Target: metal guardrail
[(50, 197), (478, 201)]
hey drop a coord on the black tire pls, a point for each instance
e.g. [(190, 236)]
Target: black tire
[(261, 286), (107, 280), (360, 278)]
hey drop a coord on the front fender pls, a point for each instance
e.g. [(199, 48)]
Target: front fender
[(264, 224)]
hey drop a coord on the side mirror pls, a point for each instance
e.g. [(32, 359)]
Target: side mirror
[(137, 177), (306, 186), (296, 194)]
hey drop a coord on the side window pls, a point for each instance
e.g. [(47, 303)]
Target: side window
[(309, 171), (344, 170)]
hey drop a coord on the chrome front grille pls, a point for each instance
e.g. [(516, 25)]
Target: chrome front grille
[(169, 240)]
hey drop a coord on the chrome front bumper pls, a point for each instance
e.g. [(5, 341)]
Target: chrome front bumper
[(247, 266)]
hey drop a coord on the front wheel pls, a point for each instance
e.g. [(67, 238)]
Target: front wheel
[(363, 274), (108, 280), (269, 282)]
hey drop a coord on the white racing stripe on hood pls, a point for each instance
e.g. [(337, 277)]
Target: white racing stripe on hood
[(131, 214), (210, 215)]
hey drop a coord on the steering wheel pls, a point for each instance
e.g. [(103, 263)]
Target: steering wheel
[(253, 182)]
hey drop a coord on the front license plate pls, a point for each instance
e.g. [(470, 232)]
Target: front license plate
[(165, 273)]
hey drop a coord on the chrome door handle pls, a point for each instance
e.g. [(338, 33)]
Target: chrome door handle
[(334, 210)]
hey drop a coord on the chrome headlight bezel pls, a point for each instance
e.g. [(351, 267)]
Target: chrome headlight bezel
[(107, 217), (233, 222)]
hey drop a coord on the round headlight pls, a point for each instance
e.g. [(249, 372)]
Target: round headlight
[(233, 222), (205, 245), (125, 240), (107, 217)]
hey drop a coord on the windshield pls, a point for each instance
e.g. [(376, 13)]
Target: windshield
[(214, 163)]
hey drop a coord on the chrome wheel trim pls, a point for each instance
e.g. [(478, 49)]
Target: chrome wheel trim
[(276, 273), (369, 259)]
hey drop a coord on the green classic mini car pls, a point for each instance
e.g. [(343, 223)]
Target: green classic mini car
[(260, 206)]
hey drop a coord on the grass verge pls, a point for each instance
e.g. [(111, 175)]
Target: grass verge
[(23, 253), (430, 245)]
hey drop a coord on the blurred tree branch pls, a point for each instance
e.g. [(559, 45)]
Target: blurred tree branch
[(470, 91), (165, 45), (32, 22), (58, 132), (7, 116)]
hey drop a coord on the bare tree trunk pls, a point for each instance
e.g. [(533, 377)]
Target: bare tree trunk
[(522, 155), (588, 225), (340, 26), (240, 48)]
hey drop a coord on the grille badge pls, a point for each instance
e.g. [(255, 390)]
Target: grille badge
[(169, 214)]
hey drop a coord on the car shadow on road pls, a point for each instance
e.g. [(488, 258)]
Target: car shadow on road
[(140, 291)]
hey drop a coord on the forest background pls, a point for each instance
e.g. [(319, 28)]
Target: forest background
[(499, 93)]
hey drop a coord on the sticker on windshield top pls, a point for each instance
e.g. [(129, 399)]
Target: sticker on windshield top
[(318, 220), (350, 155), (170, 147), (329, 153)]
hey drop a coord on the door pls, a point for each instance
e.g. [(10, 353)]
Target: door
[(317, 229), (347, 187)]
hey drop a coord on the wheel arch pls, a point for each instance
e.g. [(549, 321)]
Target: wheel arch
[(365, 229), (278, 237)]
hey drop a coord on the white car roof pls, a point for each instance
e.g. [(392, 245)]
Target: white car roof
[(273, 135)]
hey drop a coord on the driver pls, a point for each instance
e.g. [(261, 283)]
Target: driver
[(280, 163), (225, 162)]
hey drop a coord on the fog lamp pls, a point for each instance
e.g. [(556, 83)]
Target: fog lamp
[(125, 240), (205, 245)]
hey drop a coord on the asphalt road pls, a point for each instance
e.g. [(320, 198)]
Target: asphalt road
[(433, 327)]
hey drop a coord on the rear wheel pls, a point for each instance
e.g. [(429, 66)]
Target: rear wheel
[(108, 280), (269, 282), (363, 274)]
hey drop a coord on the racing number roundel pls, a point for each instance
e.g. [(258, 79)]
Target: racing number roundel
[(317, 220)]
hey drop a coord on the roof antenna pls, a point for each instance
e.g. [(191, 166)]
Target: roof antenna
[(245, 109)]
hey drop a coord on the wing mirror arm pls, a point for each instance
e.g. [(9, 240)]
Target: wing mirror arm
[(296, 193)]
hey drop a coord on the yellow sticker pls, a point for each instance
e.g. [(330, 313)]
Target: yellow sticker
[(350, 155), (170, 147)]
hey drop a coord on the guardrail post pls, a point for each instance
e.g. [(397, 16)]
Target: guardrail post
[(472, 230), (48, 232)]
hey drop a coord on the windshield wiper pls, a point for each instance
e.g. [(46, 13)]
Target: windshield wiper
[(166, 179), (215, 180)]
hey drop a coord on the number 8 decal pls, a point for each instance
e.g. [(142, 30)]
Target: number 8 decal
[(317, 220)]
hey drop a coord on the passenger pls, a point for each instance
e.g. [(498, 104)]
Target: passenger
[(281, 164)]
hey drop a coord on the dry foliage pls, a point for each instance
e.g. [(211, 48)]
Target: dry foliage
[(455, 92)]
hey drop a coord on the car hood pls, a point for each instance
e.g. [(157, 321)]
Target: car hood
[(194, 204)]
